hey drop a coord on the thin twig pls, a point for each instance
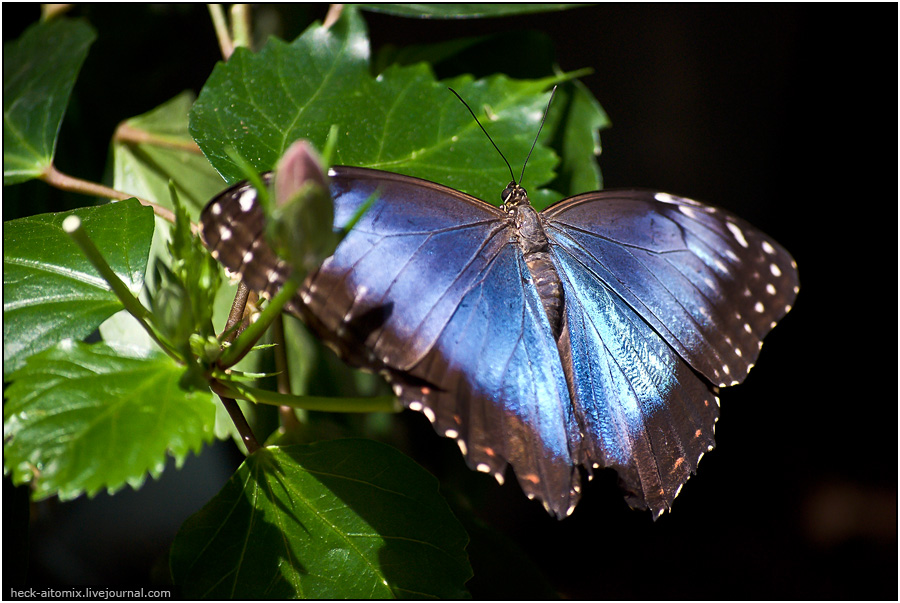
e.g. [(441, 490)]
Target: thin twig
[(131, 135), (334, 13), (237, 312), (57, 179), (239, 420), (289, 420), (221, 26), (232, 329)]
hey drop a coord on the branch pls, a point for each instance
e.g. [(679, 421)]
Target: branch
[(57, 179)]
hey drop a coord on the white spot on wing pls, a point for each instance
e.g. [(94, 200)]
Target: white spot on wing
[(248, 197), (664, 197), (738, 234), (776, 271)]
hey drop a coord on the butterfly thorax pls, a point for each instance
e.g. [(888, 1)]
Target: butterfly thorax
[(532, 240)]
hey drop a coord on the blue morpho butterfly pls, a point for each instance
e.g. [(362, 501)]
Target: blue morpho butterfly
[(594, 333)]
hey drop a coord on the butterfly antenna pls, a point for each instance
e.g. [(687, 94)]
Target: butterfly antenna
[(511, 174), (543, 119)]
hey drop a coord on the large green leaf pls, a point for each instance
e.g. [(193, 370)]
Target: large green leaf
[(403, 120), (50, 289), (79, 418), (39, 71), (340, 519)]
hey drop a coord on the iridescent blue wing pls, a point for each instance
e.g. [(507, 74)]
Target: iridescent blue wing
[(656, 288), (642, 410), (710, 283), (429, 290)]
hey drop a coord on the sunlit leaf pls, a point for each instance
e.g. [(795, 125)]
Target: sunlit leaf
[(50, 289), (403, 120), (81, 418)]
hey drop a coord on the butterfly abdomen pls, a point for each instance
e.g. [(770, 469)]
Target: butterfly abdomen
[(532, 240)]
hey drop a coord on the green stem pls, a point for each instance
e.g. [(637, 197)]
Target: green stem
[(72, 226), (240, 25), (320, 403)]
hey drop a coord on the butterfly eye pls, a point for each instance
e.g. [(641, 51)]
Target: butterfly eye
[(514, 194)]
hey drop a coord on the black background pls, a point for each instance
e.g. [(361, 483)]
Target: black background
[(784, 114)]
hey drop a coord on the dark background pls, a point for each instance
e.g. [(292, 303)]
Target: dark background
[(784, 114)]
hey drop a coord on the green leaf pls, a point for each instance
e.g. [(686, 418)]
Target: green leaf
[(39, 71), (580, 139), (50, 289), (403, 121), (340, 519), (80, 418), (457, 11), (151, 149)]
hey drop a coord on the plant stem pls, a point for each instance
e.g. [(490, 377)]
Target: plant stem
[(240, 422), (240, 25), (288, 416), (236, 313), (221, 27), (256, 328), (57, 179), (131, 135), (321, 403), (72, 226), (334, 13)]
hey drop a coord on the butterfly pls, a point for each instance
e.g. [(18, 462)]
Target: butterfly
[(592, 334)]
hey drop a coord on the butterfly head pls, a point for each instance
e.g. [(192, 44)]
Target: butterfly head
[(513, 196)]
